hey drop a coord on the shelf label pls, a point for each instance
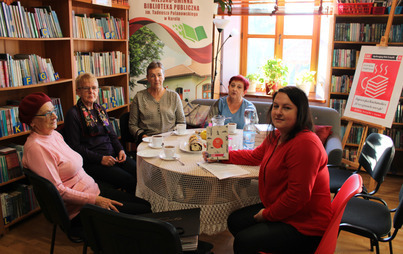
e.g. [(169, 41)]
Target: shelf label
[(44, 32), (122, 69), (113, 35), (42, 76), (99, 35), (107, 35), (17, 128), (80, 72), (56, 75), (105, 105), (27, 81), (113, 102)]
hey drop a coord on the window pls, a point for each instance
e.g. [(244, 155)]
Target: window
[(293, 38)]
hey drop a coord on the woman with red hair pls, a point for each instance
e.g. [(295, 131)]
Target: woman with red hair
[(233, 105)]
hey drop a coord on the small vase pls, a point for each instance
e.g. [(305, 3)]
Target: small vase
[(305, 86)]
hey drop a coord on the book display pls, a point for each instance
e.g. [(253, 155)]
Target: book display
[(351, 31), (44, 46)]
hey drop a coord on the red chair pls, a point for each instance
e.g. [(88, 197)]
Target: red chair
[(351, 186)]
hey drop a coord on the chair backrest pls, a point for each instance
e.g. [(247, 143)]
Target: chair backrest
[(49, 200), (125, 135), (351, 186), (111, 232), (398, 217), (376, 157)]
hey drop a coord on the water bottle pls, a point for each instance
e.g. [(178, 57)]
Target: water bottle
[(249, 130)]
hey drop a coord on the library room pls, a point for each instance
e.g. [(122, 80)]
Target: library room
[(208, 126)]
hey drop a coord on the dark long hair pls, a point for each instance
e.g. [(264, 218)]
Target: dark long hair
[(304, 117)]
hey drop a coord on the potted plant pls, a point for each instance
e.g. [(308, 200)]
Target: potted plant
[(305, 80), (255, 80), (275, 73)]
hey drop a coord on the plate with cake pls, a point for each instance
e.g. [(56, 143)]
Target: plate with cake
[(194, 145)]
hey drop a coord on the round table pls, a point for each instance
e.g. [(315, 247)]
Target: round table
[(168, 185)]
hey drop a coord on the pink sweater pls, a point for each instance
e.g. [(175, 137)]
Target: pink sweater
[(50, 157), (293, 181)]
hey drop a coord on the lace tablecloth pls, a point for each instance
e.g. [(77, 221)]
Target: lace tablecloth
[(168, 185)]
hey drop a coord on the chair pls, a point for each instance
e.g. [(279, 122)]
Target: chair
[(376, 157), (372, 219), (54, 209), (111, 232), (125, 136), (352, 186)]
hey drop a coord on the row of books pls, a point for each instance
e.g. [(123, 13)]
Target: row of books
[(11, 162), (110, 96), (399, 113), (100, 63), (97, 26), (396, 135), (339, 105), (17, 202), (355, 1), (22, 70), (341, 84), (122, 2), (116, 125), (10, 123), (345, 58), (17, 21), (360, 32), (350, 153)]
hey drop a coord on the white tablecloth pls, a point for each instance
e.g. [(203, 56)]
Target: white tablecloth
[(168, 185)]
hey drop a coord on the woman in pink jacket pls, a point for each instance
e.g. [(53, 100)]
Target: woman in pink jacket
[(293, 183), (46, 154)]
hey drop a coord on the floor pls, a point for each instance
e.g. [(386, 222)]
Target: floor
[(33, 235)]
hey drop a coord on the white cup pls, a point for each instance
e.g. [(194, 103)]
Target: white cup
[(181, 128), (156, 141), (169, 151), (231, 128)]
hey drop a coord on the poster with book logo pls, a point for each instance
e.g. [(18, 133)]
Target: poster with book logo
[(377, 85), (178, 33)]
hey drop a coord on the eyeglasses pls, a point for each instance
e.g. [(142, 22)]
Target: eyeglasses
[(49, 113), (87, 88)]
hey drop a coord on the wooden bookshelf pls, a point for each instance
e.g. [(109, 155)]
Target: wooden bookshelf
[(62, 51), (345, 40)]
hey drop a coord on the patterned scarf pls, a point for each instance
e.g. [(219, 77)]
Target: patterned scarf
[(90, 121)]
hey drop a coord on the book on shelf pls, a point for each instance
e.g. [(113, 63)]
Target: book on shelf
[(11, 167), (97, 26), (99, 63), (186, 222), (35, 22), (17, 202)]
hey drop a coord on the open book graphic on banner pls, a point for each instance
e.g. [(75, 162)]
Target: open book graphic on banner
[(190, 33)]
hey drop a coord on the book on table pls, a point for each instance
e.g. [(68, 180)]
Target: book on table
[(186, 222)]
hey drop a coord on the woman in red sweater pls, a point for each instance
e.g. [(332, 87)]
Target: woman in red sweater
[(293, 183)]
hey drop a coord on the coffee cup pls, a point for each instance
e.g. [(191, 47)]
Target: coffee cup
[(169, 151), (231, 128), (156, 141), (181, 128)]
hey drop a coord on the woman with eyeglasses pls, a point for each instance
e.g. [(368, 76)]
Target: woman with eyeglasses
[(88, 131), (156, 109), (46, 154)]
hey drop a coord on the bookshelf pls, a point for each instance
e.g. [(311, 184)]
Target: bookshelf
[(350, 33), (63, 51)]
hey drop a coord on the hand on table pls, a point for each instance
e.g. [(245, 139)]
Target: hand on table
[(107, 203), (206, 157)]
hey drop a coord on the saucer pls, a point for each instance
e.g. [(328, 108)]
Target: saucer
[(147, 139), (148, 153), (173, 158), (180, 134), (154, 147)]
